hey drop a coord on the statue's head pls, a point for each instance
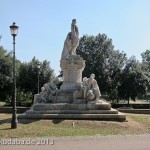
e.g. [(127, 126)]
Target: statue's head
[(74, 21), (42, 89), (92, 76), (85, 79)]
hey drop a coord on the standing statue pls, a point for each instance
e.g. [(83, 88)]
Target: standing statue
[(71, 42)]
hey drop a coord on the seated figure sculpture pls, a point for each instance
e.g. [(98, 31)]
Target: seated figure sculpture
[(89, 90), (93, 87), (48, 92)]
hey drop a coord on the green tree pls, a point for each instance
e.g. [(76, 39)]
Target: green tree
[(6, 67), (134, 80), (28, 75), (102, 60), (146, 56), (5, 74), (146, 64)]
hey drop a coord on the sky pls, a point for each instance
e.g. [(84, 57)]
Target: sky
[(44, 24)]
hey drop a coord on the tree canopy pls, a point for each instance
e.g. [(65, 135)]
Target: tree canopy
[(117, 76), (134, 80), (5, 73), (28, 75), (102, 60)]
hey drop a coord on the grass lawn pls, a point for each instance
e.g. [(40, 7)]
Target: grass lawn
[(2, 103), (136, 124), (144, 120)]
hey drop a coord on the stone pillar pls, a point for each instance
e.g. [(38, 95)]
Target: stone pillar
[(72, 72)]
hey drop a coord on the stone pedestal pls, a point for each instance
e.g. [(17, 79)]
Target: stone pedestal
[(100, 111), (72, 72)]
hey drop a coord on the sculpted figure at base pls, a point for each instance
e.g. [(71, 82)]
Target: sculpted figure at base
[(89, 89), (93, 87), (48, 92), (71, 42)]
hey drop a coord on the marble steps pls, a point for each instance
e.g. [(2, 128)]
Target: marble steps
[(67, 106), (106, 117), (98, 111), (112, 111)]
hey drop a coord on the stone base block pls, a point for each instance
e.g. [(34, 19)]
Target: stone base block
[(64, 96), (109, 117), (112, 111), (80, 101), (71, 86), (98, 111), (67, 106)]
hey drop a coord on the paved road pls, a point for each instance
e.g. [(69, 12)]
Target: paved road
[(140, 142)]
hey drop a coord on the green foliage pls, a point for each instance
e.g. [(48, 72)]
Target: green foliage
[(146, 56), (24, 99), (27, 78), (146, 64), (118, 78), (28, 75), (2, 103), (134, 80), (5, 74), (102, 60), (6, 67)]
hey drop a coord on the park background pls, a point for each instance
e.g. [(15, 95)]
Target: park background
[(43, 26)]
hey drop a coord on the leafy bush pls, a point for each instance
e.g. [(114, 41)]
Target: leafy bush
[(24, 99)]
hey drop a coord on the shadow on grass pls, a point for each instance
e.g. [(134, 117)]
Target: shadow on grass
[(27, 121), (8, 120), (21, 121), (57, 121), (6, 129)]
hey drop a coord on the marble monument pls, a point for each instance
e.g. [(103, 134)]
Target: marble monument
[(78, 97)]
